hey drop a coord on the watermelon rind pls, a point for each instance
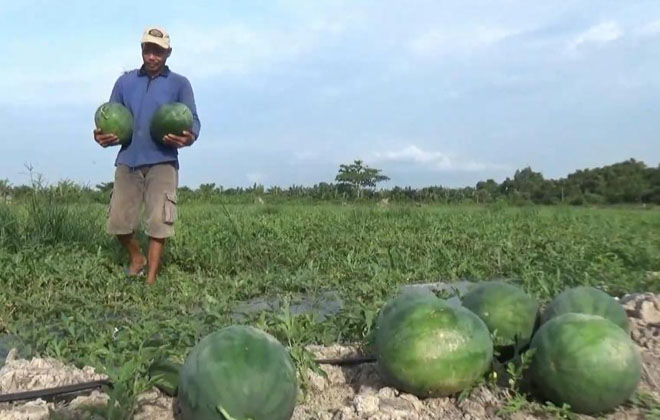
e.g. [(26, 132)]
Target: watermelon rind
[(587, 300), (242, 371), (510, 313), (170, 118), (430, 348), (115, 118), (585, 361)]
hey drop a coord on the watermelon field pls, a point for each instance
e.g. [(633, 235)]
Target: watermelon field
[(314, 276)]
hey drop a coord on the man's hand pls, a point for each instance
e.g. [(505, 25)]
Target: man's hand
[(105, 140), (179, 141)]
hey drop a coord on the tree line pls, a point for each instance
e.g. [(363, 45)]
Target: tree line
[(627, 182)]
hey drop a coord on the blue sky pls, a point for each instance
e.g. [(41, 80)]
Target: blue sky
[(432, 92)]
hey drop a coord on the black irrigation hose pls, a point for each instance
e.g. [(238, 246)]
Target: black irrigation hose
[(86, 386), (53, 392), (345, 362)]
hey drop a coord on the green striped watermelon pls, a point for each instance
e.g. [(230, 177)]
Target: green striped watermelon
[(238, 373), (429, 347), (171, 118), (585, 361), (115, 118), (587, 300), (507, 310)]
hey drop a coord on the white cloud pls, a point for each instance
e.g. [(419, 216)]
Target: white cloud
[(67, 82), (238, 49), (198, 52), (650, 29), (234, 49), (598, 34), (434, 160), (442, 42)]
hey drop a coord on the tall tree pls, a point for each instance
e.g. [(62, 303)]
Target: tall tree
[(359, 176)]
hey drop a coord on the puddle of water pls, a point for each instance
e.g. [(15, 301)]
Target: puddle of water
[(322, 305), (452, 292), (329, 303)]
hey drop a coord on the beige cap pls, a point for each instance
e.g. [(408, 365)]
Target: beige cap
[(156, 35)]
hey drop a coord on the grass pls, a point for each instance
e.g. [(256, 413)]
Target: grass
[(64, 293)]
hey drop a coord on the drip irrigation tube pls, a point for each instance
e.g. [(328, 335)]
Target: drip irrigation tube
[(49, 393), (347, 361), (53, 392)]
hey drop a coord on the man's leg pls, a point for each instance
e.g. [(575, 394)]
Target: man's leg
[(124, 212), (161, 183), (156, 246), (138, 260)]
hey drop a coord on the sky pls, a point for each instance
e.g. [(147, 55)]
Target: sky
[(433, 92)]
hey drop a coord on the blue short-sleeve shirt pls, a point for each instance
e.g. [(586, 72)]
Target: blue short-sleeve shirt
[(142, 95)]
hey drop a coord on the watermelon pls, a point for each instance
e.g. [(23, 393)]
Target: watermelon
[(115, 118), (428, 347), (405, 298), (507, 310), (238, 373), (587, 300), (585, 361), (171, 118)]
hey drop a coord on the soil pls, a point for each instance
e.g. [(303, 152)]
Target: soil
[(346, 393)]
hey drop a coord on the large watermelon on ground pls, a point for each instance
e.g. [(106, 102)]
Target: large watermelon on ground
[(429, 347), (587, 300), (171, 118), (506, 309), (405, 298), (115, 118), (238, 373), (585, 361)]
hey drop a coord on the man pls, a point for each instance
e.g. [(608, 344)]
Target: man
[(147, 170)]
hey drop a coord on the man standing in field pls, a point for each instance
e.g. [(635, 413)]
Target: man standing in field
[(147, 171)]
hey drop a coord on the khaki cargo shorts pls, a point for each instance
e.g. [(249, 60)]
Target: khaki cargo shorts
[(154, 186)]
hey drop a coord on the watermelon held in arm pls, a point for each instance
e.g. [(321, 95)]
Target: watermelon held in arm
[(587, 300), (507, 310), (430, 348), (115, 118), (171, 118), (585, 361), (238, 373)]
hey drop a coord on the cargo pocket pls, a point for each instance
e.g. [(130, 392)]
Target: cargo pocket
[(169, 210)]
